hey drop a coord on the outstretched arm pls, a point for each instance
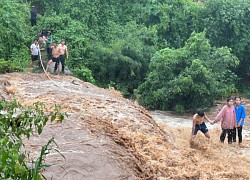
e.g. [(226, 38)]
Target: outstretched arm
[(219, 116), (205, 116)]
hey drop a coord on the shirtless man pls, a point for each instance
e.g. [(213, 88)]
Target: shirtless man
[(63, 50), (199, 124), (55, 57)]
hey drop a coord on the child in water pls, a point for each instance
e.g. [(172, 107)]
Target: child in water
[(199, 124)]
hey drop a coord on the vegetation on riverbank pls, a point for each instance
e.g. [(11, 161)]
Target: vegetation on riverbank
[(117, 43)]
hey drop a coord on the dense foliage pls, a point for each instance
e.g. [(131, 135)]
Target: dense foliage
[(227, 23), (104, 40), (17, 123), (112, 42), (190, 77), (14, 36)]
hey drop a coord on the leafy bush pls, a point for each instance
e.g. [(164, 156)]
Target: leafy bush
[(17, 123), (21, 57), (84, 73), (180, 109), (8, 66), (192, 76)]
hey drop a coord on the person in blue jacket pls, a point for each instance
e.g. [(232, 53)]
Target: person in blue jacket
[(240, 118)]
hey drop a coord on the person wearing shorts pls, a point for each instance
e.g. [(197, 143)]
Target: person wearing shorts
[(55, 57), (63, 51), (200, 127), (34, 58), (34, 48), (199, 124)]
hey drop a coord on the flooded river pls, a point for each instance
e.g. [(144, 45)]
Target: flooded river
[(208, 155), (108, 137), (175, 121)]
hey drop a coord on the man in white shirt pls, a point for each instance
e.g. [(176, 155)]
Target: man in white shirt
[(34, 48)]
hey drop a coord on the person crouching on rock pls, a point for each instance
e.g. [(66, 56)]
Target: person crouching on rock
[(55, 57), (228, 121), (199, 124)]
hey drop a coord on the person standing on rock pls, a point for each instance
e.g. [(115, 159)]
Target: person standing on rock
[(48, 41), (34, 48), (228, 121), (42, 46), (63, 50), (240, 117), (55, 57), (199, 124)]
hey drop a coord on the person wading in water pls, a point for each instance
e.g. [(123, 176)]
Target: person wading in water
[(240, 118), (228, 121), (199, 124)]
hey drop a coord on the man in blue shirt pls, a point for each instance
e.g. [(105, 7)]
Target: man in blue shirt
[(240, 117)]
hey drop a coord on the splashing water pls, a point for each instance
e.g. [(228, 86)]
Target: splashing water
[(202, 158)]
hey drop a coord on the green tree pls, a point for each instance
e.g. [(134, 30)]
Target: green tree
[(191, 77), (227, 24), (14, 28), (123, 63), (174, 20), (102, 41)]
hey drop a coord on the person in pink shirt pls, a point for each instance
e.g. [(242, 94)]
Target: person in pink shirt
[(228, 121)]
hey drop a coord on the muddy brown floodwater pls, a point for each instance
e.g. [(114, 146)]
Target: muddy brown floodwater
[(207, 156), (108, 137)]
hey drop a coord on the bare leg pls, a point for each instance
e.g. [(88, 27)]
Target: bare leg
[(207, 135), (31, 64), (58, 68), (48, 65)]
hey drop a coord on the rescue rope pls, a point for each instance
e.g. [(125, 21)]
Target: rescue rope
[(40, 58)]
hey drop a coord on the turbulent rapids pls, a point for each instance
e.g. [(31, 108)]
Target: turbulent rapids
[(108, 137)]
